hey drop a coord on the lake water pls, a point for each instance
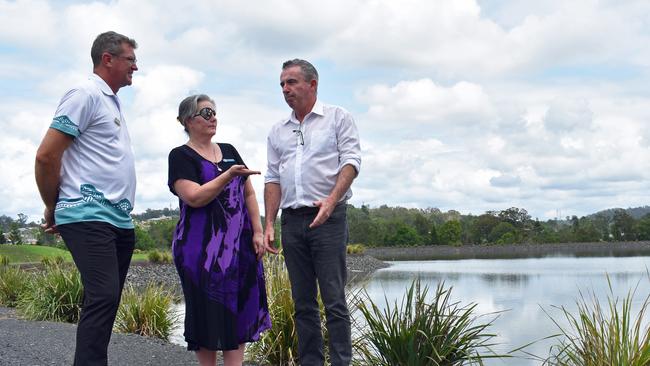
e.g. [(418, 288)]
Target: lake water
[(519, 288)]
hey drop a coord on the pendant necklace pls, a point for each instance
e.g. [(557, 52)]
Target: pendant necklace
[(214, 153), (216, 163)]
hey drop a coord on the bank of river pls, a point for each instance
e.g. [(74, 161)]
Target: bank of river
[(610, 249)]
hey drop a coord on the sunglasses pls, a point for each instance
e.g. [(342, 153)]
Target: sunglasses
[(206, 113)]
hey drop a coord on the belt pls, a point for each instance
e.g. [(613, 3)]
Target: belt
[(306, 210)]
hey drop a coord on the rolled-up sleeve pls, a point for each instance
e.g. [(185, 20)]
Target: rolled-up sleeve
[(273, 161), (348, 143)]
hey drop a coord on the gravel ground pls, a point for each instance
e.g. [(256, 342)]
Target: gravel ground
[(33, 343)]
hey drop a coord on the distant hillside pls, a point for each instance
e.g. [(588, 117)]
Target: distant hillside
[(636, 212), (152, 214)]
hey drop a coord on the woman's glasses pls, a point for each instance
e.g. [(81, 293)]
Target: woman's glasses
[(206, 113)]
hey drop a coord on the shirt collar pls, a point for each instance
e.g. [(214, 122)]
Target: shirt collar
[(316, 109), (102, 84)]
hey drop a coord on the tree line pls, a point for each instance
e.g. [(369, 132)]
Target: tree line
[(399, 226)]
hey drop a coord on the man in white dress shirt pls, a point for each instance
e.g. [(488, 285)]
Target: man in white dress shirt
[(313, 157)]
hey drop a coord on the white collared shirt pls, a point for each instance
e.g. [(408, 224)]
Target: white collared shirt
[(308, 172)]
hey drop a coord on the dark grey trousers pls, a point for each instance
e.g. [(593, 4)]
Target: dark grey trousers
[(102, 253), (318, 256)]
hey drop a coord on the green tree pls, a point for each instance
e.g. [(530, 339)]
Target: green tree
[(421, 225), (3, 239), (22, 220), (433, 236), (142, 239), (518, 217), (450, 233), (481, 228), (623, 226), (162, 232), (14, 234), (405, 235), (643, 228), (500, 230)]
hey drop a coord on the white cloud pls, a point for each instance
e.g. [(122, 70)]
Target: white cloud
[(463, 105)]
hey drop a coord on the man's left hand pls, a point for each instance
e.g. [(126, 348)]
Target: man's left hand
[(325, 208)]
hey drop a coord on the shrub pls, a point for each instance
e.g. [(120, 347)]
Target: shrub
[(420, 333), (55, 294), (356, 249), (13, 282), (157, 256), (154, 256), (602, 336), (147, 313)]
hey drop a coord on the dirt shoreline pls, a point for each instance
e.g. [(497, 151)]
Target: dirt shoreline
[(614, 249)]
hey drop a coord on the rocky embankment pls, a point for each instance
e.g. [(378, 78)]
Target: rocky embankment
[(142, 273), (603, 249)]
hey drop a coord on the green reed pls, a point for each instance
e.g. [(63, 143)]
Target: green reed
[(147, 313), (54, 294), (603, 334), (419, 331), (13, 282)]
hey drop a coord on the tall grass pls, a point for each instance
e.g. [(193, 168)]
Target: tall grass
[(421, 332), (279, 345), (13, 282), (147, 313), (4, 260), (603, 335), (54, 294), (55, 260)]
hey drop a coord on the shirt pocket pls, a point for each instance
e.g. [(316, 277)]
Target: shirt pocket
[(322, 139)]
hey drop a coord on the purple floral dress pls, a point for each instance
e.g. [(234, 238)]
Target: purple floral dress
[(223, 282)]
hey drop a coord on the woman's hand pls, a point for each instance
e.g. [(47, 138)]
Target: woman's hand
[(258, 245), (241, 171)]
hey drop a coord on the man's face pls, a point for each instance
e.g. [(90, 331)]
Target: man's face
[(298, 93), (124, 65)]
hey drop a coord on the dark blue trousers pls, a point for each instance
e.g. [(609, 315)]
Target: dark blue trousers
[(317, 257), (102, 253)]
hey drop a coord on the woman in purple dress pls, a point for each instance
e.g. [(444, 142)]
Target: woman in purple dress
[(218, 242)]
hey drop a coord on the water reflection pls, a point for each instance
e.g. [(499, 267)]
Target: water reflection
[(521, 290)]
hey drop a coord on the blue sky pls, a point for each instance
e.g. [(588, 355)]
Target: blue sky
[(461, 104)]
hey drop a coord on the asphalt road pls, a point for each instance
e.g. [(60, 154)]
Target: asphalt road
[(29, 343)]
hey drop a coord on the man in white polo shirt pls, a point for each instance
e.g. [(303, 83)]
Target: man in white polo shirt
[(86, 177)]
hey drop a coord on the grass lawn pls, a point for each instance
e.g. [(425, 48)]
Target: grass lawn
[(31, 253), (34, 253)]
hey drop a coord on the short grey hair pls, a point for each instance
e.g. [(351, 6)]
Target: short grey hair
[(308, 70), (189, 106), (110, 42)]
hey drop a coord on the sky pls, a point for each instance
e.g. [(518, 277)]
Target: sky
[(467, 105)]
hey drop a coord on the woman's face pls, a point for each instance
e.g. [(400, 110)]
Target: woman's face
[(204, 121)]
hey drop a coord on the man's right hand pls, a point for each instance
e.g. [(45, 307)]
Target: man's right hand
[(49, 226), (269, 239)]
